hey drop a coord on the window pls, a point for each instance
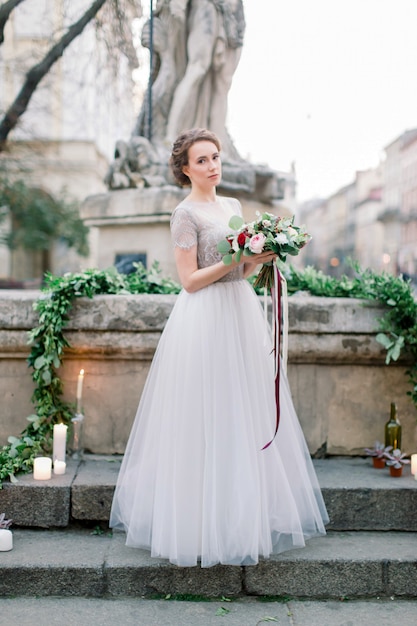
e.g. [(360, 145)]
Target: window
[(124, 261)]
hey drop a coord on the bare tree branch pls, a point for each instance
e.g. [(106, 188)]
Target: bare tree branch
[(5, 10), (38, 71)]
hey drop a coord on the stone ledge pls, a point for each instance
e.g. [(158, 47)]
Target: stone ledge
[(357, 496), (77, 563), (92, 489), (39, 503), (148, 202), (148, 312), (340, 384), (360, 497), (358, 564), (314, 314)]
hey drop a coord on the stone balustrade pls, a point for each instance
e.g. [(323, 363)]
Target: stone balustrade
[(341, 387)]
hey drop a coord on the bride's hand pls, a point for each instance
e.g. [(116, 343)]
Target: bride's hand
[(257, 259)]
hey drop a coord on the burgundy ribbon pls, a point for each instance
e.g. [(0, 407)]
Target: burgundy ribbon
[(276, 315)]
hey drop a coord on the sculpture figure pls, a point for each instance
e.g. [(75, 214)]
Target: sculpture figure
[(170, 59), (215, 30), (136, 165), (197, 46)]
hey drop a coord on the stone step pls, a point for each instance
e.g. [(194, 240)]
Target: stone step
[(358, 497), (77, 562)]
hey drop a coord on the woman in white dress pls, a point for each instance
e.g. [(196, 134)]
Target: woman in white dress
[(195, 485)]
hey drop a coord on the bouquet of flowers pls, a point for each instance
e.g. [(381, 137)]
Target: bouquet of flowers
[(267, 232)]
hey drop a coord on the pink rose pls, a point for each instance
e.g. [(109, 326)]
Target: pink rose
[(256, 243)]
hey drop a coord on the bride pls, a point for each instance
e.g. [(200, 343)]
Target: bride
[(195, 486)]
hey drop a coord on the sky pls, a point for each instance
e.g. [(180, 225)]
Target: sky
[(326, 84)]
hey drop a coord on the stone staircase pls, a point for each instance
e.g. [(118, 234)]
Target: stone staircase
[(62, 545)]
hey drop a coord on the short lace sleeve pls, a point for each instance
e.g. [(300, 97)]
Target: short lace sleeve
[(183, 229), (236, 206)]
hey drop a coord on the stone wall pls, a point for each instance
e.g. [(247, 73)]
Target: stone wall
[(341, 387)]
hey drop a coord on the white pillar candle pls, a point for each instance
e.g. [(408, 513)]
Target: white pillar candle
[(42, 468), (6, 540), (80, 385), (59, 467), (59, 442), (414, 465)]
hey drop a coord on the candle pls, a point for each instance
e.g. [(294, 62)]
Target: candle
[(80, 384), (42, 467), (6, 539), (59, 442), (59, 467), (414, 465)]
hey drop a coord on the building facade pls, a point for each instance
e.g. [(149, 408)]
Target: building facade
[(407, 254), (65, 140), (373, 220)]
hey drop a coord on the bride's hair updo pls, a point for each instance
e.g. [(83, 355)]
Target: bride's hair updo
[(179, 155)]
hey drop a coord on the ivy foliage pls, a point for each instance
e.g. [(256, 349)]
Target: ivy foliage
[(397, 327), (398, 333), (48, 343)]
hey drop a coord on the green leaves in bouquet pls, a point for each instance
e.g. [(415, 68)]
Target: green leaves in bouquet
[(237, 255), (224, 246), (225, 249), (228, 259), (236, 222)]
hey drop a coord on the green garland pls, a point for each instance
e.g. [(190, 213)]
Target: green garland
[(398, 327), (398, 333), (48, 344)]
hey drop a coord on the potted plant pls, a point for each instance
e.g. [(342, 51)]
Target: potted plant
[(396, 461), (378, 454), (6, 536)]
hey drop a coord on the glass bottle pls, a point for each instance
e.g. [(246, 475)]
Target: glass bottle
[(393, 429)]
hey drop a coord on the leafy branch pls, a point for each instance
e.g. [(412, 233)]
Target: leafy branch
[(37, 219), (38, 71)]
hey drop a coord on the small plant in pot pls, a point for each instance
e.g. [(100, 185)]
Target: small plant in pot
[(6, 536), (396, 460), (379, 454)]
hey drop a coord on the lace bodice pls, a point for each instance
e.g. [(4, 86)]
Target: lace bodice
[(204, 224)]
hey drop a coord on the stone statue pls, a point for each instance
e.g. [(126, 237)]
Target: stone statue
[(169, 46), (214, 45), (136, 165), (197, 45)]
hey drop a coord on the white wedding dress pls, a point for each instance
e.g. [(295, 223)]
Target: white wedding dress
[(195, 485)]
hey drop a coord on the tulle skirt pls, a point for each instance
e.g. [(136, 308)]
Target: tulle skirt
[(195, 485)]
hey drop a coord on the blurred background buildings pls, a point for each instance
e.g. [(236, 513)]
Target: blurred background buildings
[(372, 220)]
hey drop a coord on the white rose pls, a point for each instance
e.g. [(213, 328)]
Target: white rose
[(281, 238)]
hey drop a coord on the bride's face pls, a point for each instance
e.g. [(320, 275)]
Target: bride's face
[(204, 167)]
